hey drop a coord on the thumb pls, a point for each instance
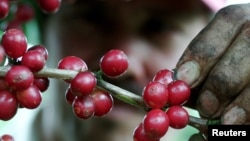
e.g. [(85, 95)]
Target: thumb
[(210, 44)]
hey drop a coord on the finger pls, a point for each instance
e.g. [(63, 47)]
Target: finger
[(238, 112), (208, 46), (228, 77)]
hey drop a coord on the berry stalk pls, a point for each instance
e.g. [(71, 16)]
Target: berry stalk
[(119, 93), (124, 95)]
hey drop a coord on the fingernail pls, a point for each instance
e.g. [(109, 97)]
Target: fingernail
[(207, 104), (188, 72), (235, 115)]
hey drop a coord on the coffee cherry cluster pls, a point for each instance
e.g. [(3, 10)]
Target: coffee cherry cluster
[(25, 11), (164, 97), (19, 88), (82, 94), (21, 13)]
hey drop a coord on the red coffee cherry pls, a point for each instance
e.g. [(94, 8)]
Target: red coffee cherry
[(83, 83), (178, 117), (178, 92), (29, 98), (69, 96), (72, 63), (156, 123), (41, 49), (7, 137), (19, 77), (139, 134), (34, 60), (24, 12), (49, 6), (13, 24), (114, 63), (83, 107), (155, 95), (42, 83), (103, 102), (14, 43), (4, 8), (165, 76), (8, 104)]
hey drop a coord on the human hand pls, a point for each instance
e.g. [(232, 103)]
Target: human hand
[(217, 63)]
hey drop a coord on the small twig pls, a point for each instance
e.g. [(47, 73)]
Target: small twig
[(56, 73), (119, 93), (124, 95), (46, 72), (198, 123)]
